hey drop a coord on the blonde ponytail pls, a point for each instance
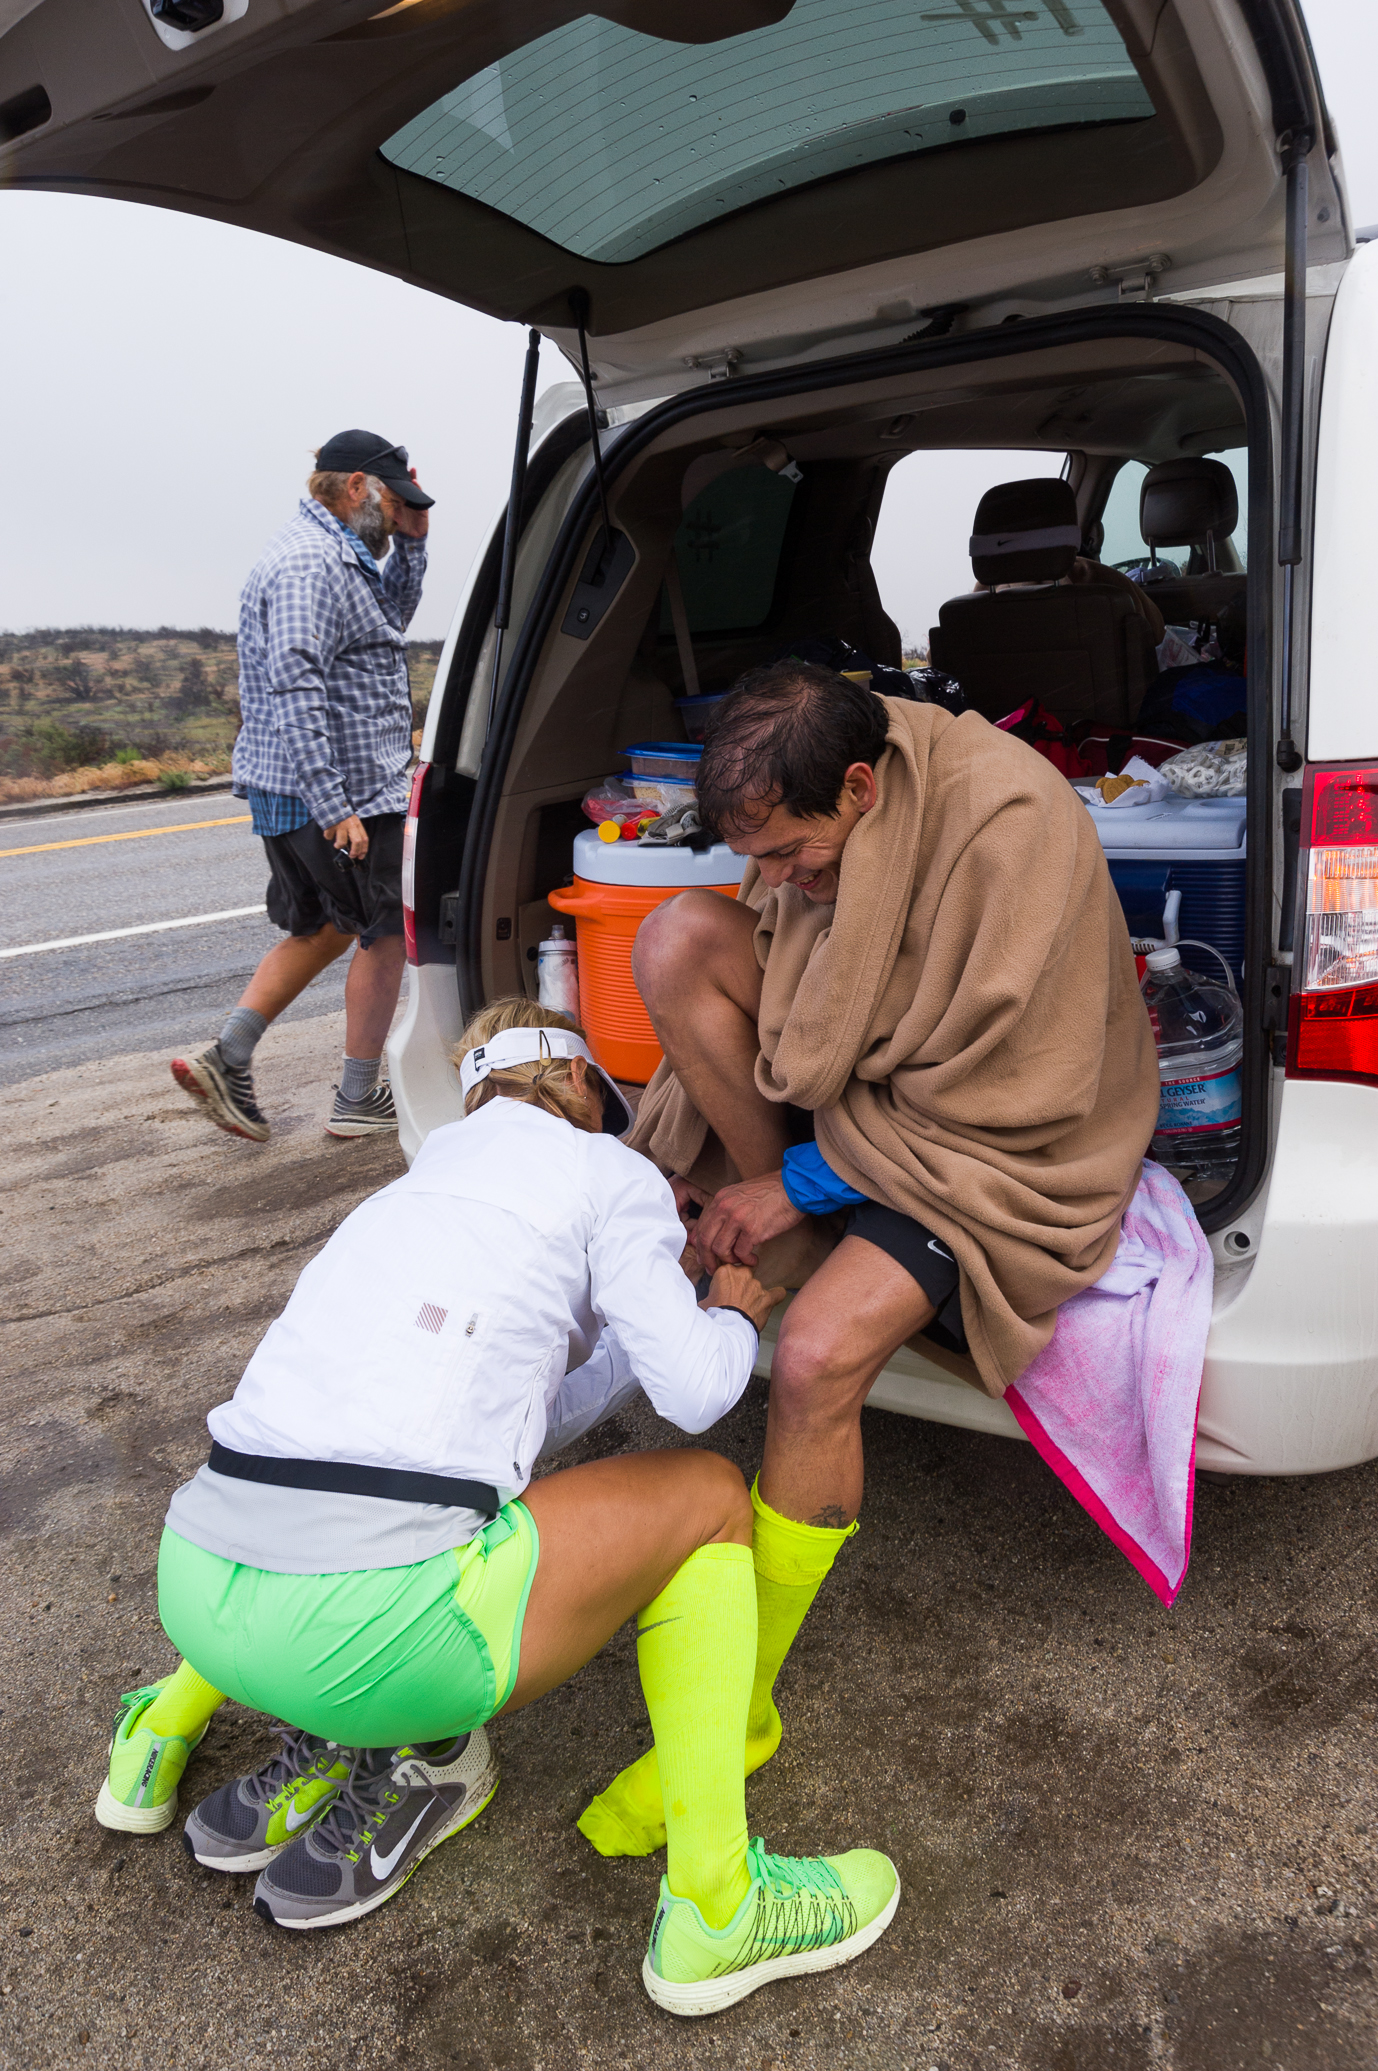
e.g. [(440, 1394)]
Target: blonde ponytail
[(547, 1082)]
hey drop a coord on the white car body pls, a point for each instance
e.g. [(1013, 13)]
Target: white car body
[(887, 255)]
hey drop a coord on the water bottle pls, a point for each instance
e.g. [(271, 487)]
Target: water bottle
[(1198, 1028), (558, 968)]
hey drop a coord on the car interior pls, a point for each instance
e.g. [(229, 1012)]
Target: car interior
[(752, 533)]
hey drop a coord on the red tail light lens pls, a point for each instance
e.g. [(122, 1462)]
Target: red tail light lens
[(409, 860), (1334, 1015)]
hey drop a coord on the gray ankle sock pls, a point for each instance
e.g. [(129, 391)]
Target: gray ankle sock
[(239, 1035), (360, 1077)]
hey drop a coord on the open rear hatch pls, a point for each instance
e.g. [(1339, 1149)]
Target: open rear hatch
[(822, 178)]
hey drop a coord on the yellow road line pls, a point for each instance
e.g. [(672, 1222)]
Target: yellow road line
[(86, 841)]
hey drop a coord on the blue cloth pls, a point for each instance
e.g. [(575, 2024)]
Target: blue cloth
[(1201, 691), (323, 686), (273, 812), (811, 1183)]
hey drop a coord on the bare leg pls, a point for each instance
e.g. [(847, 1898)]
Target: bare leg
[(612, 1534), (290, 967), (696, 970), (856, 1310), (371, 989)]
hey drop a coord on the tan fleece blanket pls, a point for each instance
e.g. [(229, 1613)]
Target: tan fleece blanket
[(965, 1023)]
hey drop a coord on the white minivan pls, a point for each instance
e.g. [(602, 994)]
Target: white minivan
[(801, 243)]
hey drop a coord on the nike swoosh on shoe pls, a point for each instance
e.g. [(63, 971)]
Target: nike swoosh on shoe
[(383, 1866)]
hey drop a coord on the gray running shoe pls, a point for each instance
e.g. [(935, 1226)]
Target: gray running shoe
[(226, 1091), (397, 1804), (248, 1821), (374, 1115)]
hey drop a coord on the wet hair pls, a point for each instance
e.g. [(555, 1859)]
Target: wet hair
[(547, 1082), (786, 736)]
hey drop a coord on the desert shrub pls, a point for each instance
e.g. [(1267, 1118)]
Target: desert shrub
[(45, 747)]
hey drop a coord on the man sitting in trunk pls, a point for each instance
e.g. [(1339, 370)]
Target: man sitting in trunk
[(919, 1020)]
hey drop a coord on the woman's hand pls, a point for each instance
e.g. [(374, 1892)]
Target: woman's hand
[(686, 1196), (736, 1287), (739, 1219)]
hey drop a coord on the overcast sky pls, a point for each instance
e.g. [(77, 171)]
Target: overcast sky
[(165, 379)]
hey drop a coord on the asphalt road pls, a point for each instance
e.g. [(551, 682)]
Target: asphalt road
[(1130, 1839), (166, 990)]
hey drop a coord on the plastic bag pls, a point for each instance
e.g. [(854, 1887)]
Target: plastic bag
[(613, 800), (1175, 649), (1212, 769)]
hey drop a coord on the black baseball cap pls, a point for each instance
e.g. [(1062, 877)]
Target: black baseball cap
[(363, 452)]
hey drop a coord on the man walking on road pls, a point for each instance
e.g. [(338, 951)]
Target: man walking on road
[(322, 758)]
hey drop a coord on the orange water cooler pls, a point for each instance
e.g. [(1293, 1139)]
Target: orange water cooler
[(616, 884)]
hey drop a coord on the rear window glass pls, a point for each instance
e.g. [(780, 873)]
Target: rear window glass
[(1124, 545), (610, 142), (728, 549)]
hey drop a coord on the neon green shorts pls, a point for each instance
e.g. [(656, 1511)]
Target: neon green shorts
[(374, 1658)]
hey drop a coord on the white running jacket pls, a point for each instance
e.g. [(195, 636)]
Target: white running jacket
[(521, 1269)]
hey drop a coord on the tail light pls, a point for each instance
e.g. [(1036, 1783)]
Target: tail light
[(1333, 1032), (409, 859)]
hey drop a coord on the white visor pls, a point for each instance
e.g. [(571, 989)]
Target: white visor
[(528, 1046)]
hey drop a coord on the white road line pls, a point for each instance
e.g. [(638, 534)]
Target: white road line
[(152, 927)]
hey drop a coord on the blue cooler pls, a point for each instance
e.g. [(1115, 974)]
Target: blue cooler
[(1194, 846)]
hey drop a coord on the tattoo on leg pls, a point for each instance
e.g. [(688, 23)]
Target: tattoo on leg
[(830, 1519)]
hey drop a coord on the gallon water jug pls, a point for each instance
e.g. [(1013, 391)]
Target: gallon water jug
[(1197, 1027), (557, 967)]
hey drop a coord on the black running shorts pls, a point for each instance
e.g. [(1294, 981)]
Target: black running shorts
[(314, 884), (925, 1258)]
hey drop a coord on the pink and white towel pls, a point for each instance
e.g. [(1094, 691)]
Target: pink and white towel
[(1111, 1401)]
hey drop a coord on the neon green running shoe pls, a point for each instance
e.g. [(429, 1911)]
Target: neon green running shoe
[(139, 1796), (802, 1913)]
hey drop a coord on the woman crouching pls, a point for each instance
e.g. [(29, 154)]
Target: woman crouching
[(366, 1556)]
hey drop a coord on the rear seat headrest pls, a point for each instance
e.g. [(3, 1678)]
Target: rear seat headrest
[(1025, 532), (1184, 501)]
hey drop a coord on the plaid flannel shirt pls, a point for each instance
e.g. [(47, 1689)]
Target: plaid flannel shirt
[(323, 687)]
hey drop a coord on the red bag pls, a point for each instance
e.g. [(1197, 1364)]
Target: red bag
[(1047, 736)]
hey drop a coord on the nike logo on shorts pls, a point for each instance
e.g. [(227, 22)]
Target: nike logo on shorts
[(934, 1245)]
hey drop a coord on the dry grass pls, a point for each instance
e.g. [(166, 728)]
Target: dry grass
[(112, 776)]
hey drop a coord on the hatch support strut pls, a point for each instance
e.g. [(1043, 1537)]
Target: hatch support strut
[(1295, 145), (503, 615), (579, 309)]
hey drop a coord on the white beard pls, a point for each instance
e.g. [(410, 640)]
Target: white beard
[(370, 523)]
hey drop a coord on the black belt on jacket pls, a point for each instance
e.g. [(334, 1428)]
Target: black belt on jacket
[(346, 1478)]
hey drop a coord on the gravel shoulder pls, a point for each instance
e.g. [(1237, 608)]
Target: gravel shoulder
[(1128, 1838)]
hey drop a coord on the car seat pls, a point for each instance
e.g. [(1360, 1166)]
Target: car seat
[(1191, 503), (1082, 650)]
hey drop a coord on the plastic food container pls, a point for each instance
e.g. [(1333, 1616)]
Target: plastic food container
[(662, 792), (696, 712), (663, 758), (616, 884)]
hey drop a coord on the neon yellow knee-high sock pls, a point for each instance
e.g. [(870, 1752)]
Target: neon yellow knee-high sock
[(696, 1643), (791, 1562), (183, 1705)]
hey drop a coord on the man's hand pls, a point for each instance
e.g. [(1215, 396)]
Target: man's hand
[(410, 522), (349, 834), (740, 1219), (736, 1287)]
